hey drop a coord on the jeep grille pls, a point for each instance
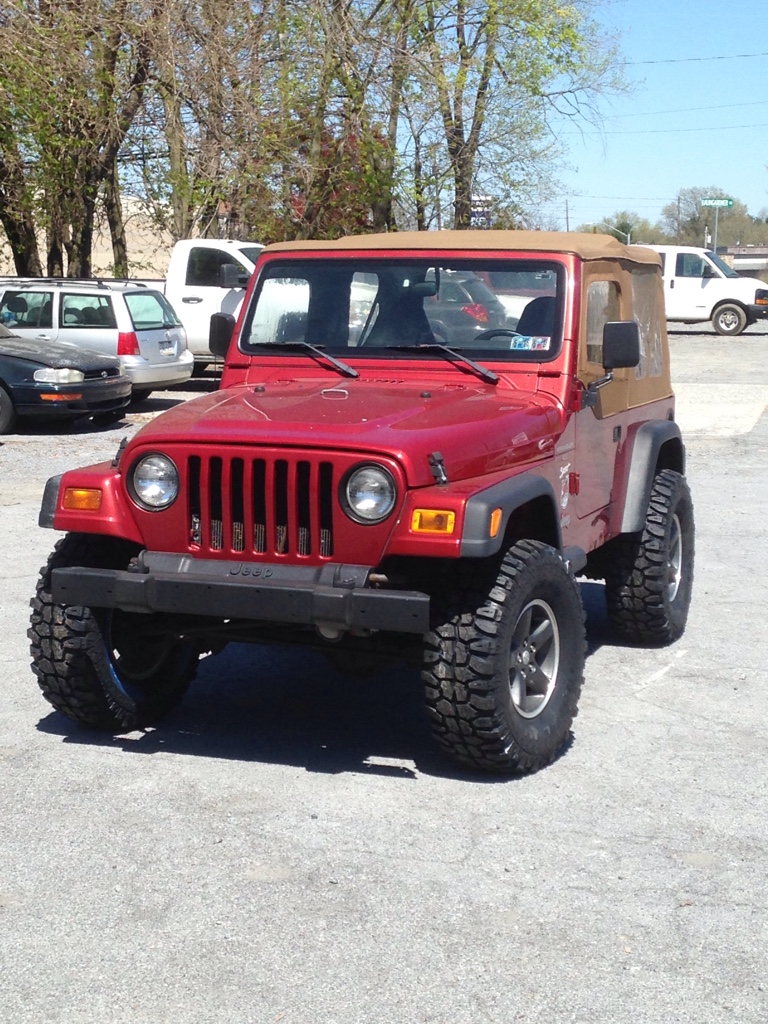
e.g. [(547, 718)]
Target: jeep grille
[(261, 506)]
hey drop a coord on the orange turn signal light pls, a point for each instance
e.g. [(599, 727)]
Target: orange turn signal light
[(83, 499), (46, 397), (495, 522), (430, 520)]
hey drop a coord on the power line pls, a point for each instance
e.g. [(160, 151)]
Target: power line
[(688, 110), (668, 131), (689, 60)]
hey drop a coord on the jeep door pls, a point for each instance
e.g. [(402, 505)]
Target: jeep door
[(605, 298)]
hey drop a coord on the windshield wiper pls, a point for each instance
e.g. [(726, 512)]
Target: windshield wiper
[(482, 371), (343, 368)]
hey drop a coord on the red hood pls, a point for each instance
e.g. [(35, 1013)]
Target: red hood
[(478, 428)]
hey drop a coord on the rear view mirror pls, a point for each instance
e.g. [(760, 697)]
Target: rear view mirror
[(220, 335), (232, 276), (621, 344)]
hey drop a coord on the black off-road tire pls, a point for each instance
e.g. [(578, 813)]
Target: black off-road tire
[(7, 412), (97, 666), (524, 621), (729, 319), (649, 575)]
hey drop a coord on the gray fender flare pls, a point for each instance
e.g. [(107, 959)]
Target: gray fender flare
[(50, 502), (647, 443), (507, 495)]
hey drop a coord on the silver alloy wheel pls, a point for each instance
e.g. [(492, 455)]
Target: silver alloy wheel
[(534, 658), (675, 559), (729, 321)]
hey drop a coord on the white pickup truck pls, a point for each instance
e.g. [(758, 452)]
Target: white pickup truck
[(700, 286), (197, 286)]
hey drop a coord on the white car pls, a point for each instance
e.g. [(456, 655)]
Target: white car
[(128, 320)]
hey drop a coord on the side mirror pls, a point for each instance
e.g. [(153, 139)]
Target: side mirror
[(708, 271), (231, 276), (220, 334), (621, 344)]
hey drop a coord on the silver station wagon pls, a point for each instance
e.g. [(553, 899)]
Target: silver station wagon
[(124, 319)]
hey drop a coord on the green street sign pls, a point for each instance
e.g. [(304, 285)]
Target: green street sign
[(717, 202)]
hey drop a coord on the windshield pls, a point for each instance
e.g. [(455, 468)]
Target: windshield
[(722, 265), (251, 252), (510, 309)]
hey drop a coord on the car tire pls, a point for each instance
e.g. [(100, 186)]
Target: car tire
[(140, 395), (8, 415), (649, 575), (108, 419), (729, 319), (106, 669), (503, 669)]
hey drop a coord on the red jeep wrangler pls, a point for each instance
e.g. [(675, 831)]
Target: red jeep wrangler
[(402, 461)]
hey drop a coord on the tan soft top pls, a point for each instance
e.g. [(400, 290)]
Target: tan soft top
[(587, 246)]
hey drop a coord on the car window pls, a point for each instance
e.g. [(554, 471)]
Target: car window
[(204, 265), (27, 309), (647, 311), (150, 311), (688, 264), (602, 308), (89, 312)]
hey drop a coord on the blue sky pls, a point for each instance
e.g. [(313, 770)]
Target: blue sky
[(691, 120)]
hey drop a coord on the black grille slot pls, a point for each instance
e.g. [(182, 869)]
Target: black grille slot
[(238, 508), (259, 498), (216, 505), (261, 506)]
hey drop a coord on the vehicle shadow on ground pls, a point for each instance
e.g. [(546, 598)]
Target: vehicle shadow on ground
[(284, 705)]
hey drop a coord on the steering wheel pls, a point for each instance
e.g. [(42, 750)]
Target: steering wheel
[(496, 331)]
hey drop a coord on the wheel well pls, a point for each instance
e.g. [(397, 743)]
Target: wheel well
[(535, 520), (671, 456), (729, 302)]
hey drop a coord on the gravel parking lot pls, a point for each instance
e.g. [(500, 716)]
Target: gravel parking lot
[(289, 847)]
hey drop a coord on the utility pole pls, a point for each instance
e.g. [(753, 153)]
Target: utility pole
[(567, 221), (678, 218)]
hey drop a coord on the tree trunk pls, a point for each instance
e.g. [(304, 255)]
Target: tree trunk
[(16, 220), (116, 223)]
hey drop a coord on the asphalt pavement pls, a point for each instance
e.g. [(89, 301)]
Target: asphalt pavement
[(289, 847)]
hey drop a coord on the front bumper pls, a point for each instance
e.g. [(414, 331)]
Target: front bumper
[(333, 595), (81, 399), (757, 312)]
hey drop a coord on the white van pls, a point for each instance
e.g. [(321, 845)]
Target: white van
[(699, 286)]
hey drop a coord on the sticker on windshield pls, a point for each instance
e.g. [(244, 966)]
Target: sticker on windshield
[(531, 343)]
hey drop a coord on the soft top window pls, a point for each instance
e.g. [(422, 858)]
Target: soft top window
[(500, 309)]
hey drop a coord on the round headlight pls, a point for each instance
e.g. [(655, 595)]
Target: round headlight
[(370, 494), (155, 482)]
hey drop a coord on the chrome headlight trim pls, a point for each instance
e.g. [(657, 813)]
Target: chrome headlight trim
[(368, 493), (154, 482)]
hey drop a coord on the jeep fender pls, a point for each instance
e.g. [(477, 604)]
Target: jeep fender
[(508, 495), (656, 445)]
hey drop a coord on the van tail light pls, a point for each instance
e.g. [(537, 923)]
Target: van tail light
[(477, 311), (128, 344)]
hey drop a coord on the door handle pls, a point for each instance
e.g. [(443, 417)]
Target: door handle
[(671, 284), (42, 337), (192, 298)]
